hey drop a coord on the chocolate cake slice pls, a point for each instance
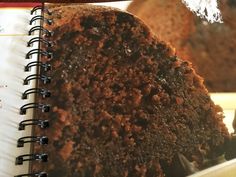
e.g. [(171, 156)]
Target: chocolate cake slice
[(210, 47), (123, 105)]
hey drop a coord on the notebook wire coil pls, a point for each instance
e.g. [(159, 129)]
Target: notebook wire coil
[(41, 67)]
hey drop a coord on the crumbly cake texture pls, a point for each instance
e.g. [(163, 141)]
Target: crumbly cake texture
[(123, 105), (210, 47)]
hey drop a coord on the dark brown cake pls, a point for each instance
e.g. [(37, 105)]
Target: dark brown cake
[(123, 105), (210, 47)]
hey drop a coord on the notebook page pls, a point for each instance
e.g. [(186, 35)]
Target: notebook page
[(14, 27)]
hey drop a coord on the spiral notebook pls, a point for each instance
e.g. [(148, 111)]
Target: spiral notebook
[(15, 24)]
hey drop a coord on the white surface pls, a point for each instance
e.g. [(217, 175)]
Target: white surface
[(14, 25), (228, 102), (227, 169)]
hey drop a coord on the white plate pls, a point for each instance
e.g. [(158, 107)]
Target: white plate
[(226, 169)]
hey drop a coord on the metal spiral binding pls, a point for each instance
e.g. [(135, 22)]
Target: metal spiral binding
[(39, 174), (44, 31), (40, 17), (39, 52), (43, 107), (43, 78), (31, 157), (43, 9), (39, 39), (42, 140), (41, 123), (43, 92), (44, 67)]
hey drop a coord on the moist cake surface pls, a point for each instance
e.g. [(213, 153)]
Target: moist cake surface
[(122, 103)]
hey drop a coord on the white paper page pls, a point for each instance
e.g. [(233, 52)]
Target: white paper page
[(14, 27)]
